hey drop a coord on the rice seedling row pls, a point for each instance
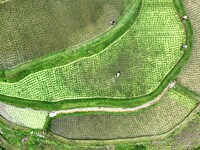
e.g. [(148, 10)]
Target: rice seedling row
[(42, 27), (24, 117), (144, 55), (189, 137), (169, 112)]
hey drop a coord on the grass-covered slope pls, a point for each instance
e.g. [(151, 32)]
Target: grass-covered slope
[(25, 117), (30, 29), (144, 54), (167, 113), (190, 76)]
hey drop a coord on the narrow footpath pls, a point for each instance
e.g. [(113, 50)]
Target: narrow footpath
[(105, 109)]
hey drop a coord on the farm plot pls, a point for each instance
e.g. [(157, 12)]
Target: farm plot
[(25, 117), (191, 73), (144, 55), (169, 112), (30, 29), (189, 137)]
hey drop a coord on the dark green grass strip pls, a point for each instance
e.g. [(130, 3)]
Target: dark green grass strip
[(187, 52), (79, 103), (99, 45), (64, 57), (132, 102), (95, 114), (187, 91)]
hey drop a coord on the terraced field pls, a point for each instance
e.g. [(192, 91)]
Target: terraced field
[(41, 27), (169, 112), (25, 117), (92, 64), (144, 55), (190, 76), (189, 137)]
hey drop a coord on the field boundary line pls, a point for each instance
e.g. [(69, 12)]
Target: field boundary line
[(107, 109), (167, 79), (146, 138), (113, 35)]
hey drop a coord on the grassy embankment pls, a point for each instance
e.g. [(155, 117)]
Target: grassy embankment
[(113, 102), (123, 26)]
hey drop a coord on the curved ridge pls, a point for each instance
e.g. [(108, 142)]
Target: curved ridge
[(169, 77), (87, 49)]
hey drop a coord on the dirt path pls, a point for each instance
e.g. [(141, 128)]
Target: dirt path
[(105, 109)]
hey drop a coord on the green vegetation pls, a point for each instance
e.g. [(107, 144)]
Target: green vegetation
[(67, 104), (79, 103), (145, 54), (185, 138), (13, 135), (38, 28), (169, 112), (189, 136), (184, 90), (25, 117), (130, 147), (10, 136), (190, 75), (144, 45), (87, 49)]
